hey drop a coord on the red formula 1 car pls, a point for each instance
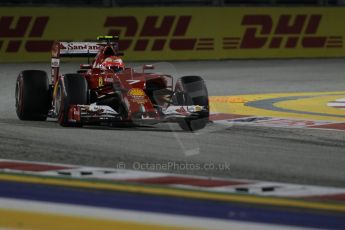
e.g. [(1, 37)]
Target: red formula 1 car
[(105, 91)]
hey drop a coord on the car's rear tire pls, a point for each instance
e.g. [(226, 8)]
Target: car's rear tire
[(191, 90), (72, 89), (32, 95)]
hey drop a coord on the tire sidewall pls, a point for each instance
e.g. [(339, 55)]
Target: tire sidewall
[(62, 112)]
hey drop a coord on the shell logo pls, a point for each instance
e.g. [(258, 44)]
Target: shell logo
[(136, 92), (137, 95)]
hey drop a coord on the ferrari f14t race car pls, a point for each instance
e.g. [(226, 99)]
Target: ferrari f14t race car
[(106, 91)]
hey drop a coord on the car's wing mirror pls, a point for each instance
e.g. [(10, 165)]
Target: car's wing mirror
[(85, 66), (145, 67)]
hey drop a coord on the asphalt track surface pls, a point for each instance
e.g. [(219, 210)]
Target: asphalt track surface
[(272, 154)]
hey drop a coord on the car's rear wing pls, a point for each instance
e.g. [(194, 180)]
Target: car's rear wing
[(79, 49), (71, 49), (75, 49), (83, 49)]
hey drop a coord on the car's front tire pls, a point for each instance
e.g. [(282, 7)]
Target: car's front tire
[(71, 89), (191, 90)]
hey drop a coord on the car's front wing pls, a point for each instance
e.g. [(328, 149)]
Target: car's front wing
[(102, 113)]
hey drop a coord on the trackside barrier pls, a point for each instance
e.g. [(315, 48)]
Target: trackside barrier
[(191, 33)]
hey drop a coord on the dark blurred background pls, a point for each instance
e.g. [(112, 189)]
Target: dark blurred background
[(149, 3)]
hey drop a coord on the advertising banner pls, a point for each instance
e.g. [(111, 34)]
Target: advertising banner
[(176, 33)]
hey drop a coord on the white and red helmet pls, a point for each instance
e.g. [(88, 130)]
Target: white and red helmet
[(113, 63)]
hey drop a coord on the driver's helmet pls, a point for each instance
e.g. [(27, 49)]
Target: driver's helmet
[(113, 63)]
